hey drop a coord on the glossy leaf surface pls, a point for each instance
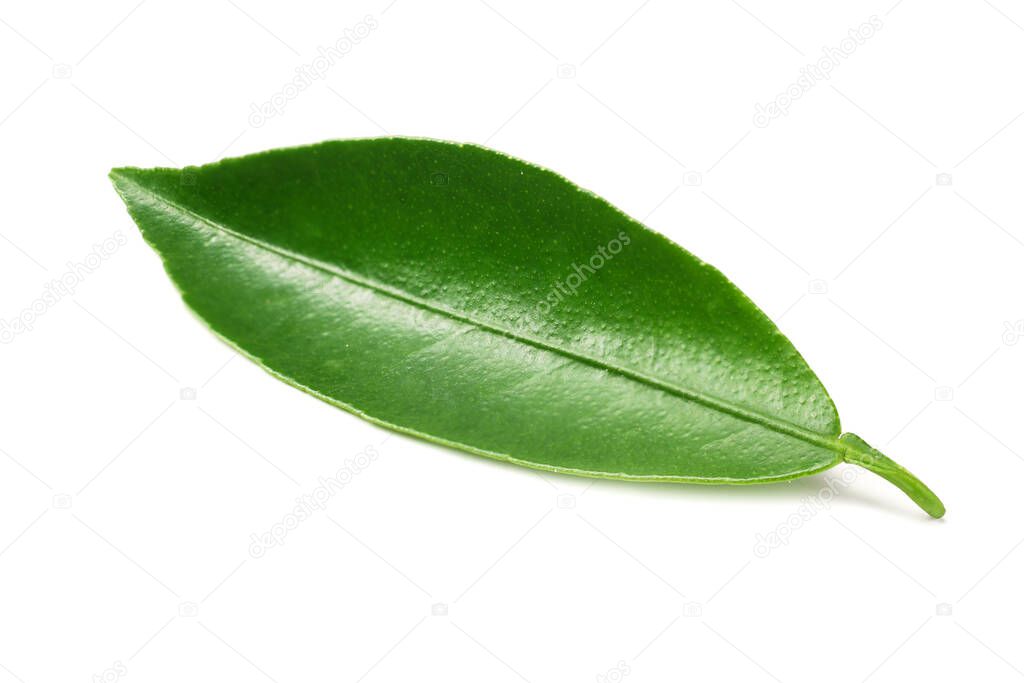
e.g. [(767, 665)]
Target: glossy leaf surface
[(481, 302)]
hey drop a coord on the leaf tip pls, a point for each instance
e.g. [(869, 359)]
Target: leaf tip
[(119, 177), (119, 174)]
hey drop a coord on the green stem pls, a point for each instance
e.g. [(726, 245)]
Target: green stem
[(858, 452)]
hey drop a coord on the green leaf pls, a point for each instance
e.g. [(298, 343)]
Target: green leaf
[(474, 300)]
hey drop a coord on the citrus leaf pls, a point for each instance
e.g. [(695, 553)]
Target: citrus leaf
[(474, 300)]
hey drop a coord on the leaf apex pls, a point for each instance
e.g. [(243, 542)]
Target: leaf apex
[(122, 176)]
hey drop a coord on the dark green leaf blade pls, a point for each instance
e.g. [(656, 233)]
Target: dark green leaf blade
[(478, 301)]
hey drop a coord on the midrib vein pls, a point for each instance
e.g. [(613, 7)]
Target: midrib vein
[(772, 423)]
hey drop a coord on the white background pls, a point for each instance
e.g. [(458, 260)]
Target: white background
[(127, 511)]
